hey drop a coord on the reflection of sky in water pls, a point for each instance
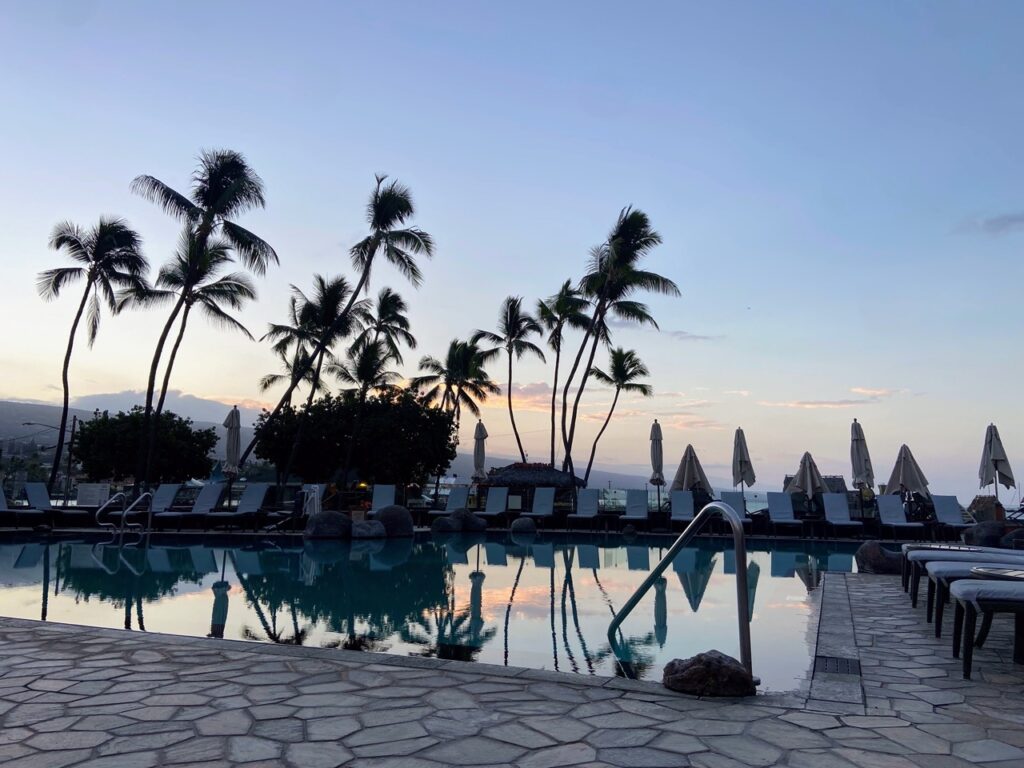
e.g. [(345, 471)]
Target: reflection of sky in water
[(546, 606)]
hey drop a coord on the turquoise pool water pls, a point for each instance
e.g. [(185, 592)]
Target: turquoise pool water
[(544, 603)]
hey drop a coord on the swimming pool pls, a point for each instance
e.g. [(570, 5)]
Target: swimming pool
[(543, 603)]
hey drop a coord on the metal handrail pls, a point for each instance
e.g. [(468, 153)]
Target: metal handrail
[(742, 598), (103, 508)]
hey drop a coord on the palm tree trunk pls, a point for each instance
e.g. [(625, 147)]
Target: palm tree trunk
[(567, 435), (511, 414), (554, 394), (303, 417), (511, 597), (67, 390), (356, 424), (141, 475), (570, 436), (170, 361), (593, 451), (319, 349)]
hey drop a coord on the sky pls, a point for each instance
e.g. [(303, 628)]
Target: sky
[(838, 187)]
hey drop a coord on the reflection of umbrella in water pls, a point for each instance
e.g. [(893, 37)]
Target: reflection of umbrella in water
[(694, 569), (753, 574), (220, 603), (660, 612), (476, 608)]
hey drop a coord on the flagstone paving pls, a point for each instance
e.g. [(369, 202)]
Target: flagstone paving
[(76, 696)]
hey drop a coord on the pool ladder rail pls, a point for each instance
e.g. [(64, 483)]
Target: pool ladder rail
[(742, 596), (118, 529)]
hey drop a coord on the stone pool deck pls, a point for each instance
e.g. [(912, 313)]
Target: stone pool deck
[(76, 696)]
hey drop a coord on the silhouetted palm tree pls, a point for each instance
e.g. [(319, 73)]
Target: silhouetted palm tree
[(223, 187), (107, 256), (459, 380), (387, 322), (566, 309), (624, 368), (388, 213), (612, 278), (514, 330)]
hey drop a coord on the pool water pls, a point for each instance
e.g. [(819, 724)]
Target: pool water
[(543, 603)]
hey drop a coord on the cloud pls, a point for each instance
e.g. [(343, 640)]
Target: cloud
[(687, 336), (690, 421), (739, 392), (868, 396), (997, 225), (678, 335)]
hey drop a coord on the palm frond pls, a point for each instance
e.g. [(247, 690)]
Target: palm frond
[(172, 202), (51, 281), (255, 252)]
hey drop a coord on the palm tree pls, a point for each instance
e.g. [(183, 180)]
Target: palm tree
[(388, 213), (107, 256), (613, 277), (192, 280), (292, 349), (290, 366), (459, 380), (514, 329), (566, 309), (223, 187), (624, 368), (387, 322), (366, 370)]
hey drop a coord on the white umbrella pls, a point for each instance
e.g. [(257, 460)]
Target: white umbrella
[(657, 459), (907, 475), (479, 452), (807, 478), (742, 468), (232, 441), (690, 475), (860, 459), (994, 464)]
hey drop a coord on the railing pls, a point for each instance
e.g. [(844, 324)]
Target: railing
[(109, 503), (742, 598)]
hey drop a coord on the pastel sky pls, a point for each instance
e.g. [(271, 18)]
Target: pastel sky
[(838, 185)]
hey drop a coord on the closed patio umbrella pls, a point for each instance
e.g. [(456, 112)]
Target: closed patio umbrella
[(690, 475), (995, 467), (742, 468), (232, 441), (860, 459), (907, 475), (479, 452), (657, 459), (807, 479)]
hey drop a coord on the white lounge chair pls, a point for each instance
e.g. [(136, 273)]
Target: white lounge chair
[(586, 506), (497, 503), (987, 597), (543, 504), (948, 513), (637, 507), (249, 505), (457, 499), (383, 496), (837, 513), (892, 515), (780, 512), (681, 503), (19, 515), (737, 501)]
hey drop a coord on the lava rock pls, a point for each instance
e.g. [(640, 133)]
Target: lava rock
[(397, 521), (445, 525), (524, 525), (1013, 540), (468, 521), (395, 552), (629, 530), (368, 529), (709, 674), (328, 524), (872, 557), (325, 551), (987, 534)]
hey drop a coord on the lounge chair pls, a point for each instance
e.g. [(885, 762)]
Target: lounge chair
[(383, 496), (837, 513), (681, 503), (738, 502), (40, 509), (497, 503), (208, 498), (892, 515), (974, 596), (942, 574), (458, 498), (638, 558), (496, 554), (543, 504), (637, 507), (543, 555), (917, 561), (247, 511), (310, 497), (17, 515), (589, 556), (948, 513), (586, 506), (780, 513)]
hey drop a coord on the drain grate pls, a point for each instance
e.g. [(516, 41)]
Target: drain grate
[(839, 665)]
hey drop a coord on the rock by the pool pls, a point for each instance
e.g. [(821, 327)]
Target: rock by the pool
[(872, 557), (987, 534), (468, 522), (524, 525), (709, 674), (328, 524), (397, 521), (368, 529), (1013, 540), (629, 530), (445, 525)]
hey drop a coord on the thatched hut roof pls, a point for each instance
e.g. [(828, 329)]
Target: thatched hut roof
[(835, 483), (530, 476)]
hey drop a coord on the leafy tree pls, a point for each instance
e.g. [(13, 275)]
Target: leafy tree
[(108, 256), (108, 446), (624, 368), (514, 330), (388, 214), (566, 309)]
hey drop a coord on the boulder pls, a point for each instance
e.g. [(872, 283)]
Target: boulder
[(709, 674), (445, 525), (368, 529), (397, 521), (468, 521), (524, 525), (629, 531), (328, 524), (1013, 540), (395, 552), (987, 534), (872, 557), (326, 551), (984, 508)]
